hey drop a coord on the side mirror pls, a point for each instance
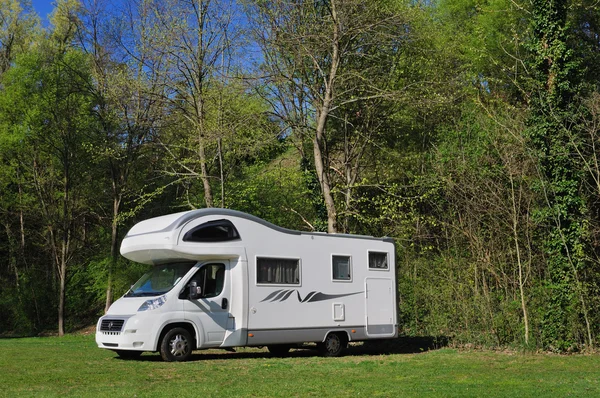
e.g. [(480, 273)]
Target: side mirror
[(195, 290)]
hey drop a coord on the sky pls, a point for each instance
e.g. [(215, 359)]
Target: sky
[(43, 8)]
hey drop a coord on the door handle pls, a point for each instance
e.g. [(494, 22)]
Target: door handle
[(224, 304)]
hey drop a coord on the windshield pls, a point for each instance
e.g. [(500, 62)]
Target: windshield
[(159, 280)]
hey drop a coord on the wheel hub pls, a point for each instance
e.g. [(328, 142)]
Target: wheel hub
[(333, 344), (178, 345)]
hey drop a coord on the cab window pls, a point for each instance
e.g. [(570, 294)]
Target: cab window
[(210, 278)]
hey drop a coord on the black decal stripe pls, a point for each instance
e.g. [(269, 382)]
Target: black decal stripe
[(308, 296), (280, 295), (323, 296), (285, 296), (312, 297), (270, 296)]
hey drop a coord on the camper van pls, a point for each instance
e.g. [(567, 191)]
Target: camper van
[(222, 279)]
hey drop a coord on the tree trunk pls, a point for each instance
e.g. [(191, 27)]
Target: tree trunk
[(12, 253), (62, 294), (220, 155), (323, 177), (515, 223), (208, 198), (352, 161), (66, 232), (21, 220), (62, 275), (66, 236), (319, 139), (113, 253)]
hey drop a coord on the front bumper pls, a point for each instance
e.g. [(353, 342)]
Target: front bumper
[(134, 334)]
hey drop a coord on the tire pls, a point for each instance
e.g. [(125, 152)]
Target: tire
[(176, 345), (279, 350), (127, 354), (334, 345)]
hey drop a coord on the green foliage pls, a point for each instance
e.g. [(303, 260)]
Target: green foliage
[(276, 192), (91, 282), (45, 117), (467, 130), (554, 139)]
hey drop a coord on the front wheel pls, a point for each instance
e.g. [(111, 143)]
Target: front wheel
[(334, 345), (176, 345)]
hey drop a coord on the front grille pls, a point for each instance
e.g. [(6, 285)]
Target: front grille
[(112, 325)]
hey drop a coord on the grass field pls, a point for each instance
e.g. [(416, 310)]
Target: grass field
[(73, 366)]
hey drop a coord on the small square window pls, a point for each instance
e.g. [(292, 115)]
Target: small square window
[(378, 260), (341, 268)]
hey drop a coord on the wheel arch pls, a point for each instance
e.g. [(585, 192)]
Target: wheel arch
[(189, 326), (342, 332), (336, 341)]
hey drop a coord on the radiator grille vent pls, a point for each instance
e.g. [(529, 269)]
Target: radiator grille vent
[(112, 325)]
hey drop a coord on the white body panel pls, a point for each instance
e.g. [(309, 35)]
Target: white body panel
[(248, 313)]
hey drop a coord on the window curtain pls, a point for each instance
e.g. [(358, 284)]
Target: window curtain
[(274, 270), (378, 260)]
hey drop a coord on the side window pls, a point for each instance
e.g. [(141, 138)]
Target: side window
[(378, 260), (283, 271), (341, 267), (210, 278), (212, 231)]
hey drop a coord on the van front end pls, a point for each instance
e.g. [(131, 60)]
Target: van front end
[(134, 322), (124, 330)]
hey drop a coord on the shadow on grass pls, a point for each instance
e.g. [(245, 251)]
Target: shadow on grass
[(400, 345), (403, 345)]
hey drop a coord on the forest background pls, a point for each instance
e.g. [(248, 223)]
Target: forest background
[(467, 130)]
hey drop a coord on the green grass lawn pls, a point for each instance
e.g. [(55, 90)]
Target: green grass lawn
[(74, 366)]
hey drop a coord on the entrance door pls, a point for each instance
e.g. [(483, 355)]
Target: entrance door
[(211, 310), (380, 307)]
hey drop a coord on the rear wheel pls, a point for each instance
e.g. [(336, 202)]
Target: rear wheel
[(126, 354), (279, 349), (334, 345), (176, 345)]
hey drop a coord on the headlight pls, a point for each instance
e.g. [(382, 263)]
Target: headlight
[(153, 303)]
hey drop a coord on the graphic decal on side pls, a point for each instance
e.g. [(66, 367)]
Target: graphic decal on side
[(282, 295)]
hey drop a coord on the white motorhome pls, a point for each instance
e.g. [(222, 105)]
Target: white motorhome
[(223, 278)]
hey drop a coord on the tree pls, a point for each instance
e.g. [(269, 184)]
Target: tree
[(322, 56), (18, 25), (189, 39), (128, 113), (555, 97), (48, 86)]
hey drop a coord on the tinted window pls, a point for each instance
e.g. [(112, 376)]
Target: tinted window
[(378, 260), (341, 267), (210, 278), (278, 270), (212, 231)]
